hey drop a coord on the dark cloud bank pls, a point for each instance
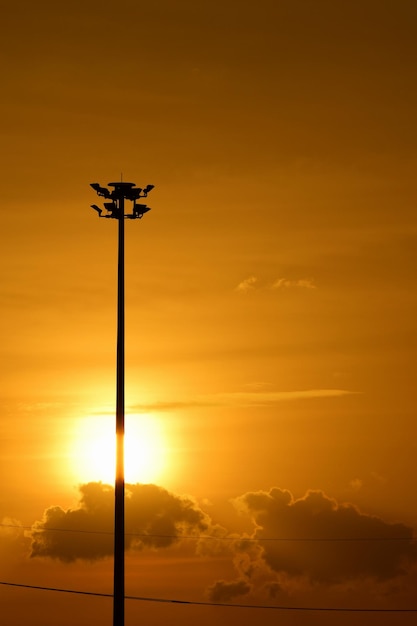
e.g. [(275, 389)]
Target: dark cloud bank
[(154, 518), (312, 539), (316, 540)]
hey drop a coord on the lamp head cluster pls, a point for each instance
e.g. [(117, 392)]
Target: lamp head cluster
[(121, 191)]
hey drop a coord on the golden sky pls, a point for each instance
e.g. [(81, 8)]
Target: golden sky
[(270, 307)]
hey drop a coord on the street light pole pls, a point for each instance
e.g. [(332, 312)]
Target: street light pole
[(116, 210), (119, 488)]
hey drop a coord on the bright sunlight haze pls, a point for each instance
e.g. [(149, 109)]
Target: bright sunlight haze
[(91, 452)]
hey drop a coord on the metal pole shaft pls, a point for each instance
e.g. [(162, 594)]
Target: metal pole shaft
[(119, 510)]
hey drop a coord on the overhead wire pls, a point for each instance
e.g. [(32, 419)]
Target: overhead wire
[(273, 607), (211, 537)]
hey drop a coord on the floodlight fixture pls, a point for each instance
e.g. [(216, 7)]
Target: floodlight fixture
[(111, 207), (101, 191), (147, 189), (140, 209), (97, 208), (134, 193)]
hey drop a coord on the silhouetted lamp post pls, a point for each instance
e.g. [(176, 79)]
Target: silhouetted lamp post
[(115, 209)]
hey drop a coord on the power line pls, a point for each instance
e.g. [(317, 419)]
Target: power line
[(216, 604), (211, 537)]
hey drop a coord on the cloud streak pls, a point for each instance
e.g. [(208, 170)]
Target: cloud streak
[(255, 397), (248, 284), (265, 398), (252, 283), (302, 283)]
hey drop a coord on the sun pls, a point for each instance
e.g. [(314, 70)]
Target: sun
[(92, 449)]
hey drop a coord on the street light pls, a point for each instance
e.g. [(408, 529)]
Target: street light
[(116, 210)]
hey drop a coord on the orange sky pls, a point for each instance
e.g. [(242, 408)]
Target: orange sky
[(270, 303)]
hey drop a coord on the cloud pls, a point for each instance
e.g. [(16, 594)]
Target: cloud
[(223, 591), (314, 542), (297, 545), (256, 396), (252, 283), (264, 398), (155, 518), (301, 283), (247, 284), (173, 405), (326, 541)]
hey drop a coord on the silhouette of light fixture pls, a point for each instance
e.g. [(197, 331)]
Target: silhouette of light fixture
[(140, 209), (97, 208), (116, 210), (101, 191)]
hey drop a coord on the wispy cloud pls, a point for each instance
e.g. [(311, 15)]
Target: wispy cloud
[(252, 283), (301, 283), (263, 398), (248, 284), (254, 397), (171, 405)]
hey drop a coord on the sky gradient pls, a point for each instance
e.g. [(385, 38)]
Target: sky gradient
[(270, 308)]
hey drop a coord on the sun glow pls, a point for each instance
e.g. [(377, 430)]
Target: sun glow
[(92, 454)]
